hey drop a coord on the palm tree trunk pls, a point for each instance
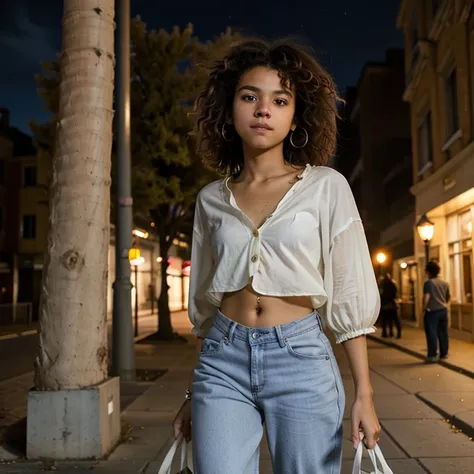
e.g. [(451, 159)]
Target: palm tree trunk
[(73, 339)]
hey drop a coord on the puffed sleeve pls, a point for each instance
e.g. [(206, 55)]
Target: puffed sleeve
[(200, 311), (353, 297)]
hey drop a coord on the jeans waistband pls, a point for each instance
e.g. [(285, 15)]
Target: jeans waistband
[(266, 334)]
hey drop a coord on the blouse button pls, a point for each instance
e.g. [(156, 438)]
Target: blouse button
[(255, 233), (254, 258)]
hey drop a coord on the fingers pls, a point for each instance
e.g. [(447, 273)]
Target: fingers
[(357, 435), (372, 438), (182, 428)]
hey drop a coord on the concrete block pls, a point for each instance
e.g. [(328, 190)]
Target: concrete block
[(74, 424)]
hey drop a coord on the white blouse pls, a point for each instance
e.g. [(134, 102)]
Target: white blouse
[(312, 245)]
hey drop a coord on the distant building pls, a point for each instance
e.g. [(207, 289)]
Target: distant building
[(374, 153), (439, 87), (24, 223)]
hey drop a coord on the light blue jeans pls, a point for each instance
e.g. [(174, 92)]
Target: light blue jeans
[(284, 378)]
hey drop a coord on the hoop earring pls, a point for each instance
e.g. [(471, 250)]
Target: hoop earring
[(306, 138), (223, 132)]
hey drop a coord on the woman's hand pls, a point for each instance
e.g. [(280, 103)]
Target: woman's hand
[(365, 424), (182, 422)]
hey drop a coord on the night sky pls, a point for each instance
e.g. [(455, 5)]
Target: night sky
[(345, 34)]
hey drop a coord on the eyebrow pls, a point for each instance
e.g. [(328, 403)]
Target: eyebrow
[(256, 89)]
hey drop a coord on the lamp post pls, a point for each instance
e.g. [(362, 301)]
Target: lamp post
[(425, 230), (123, 350), (381, 258), (135, 260)]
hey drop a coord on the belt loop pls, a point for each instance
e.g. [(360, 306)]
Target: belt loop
[(281, 339), (232, 331)]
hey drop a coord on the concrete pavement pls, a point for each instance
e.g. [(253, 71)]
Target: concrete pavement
[(416, 438), (16, 376)]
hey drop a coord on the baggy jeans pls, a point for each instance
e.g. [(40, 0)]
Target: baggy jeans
[(285, 378)]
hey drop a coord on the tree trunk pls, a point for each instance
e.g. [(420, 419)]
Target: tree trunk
[(165, 329), (73, 338)]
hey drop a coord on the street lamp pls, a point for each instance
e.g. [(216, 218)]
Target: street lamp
[(425, 230), (381, 258), (135, 260)]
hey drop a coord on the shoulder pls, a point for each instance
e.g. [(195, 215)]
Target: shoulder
[(427, 286), (333, 184), (327, 175), (211, 190)]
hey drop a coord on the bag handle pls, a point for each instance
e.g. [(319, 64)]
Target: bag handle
[(375, 455), (168, 461)]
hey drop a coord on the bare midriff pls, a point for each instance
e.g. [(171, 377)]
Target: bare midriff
[(254, 310)]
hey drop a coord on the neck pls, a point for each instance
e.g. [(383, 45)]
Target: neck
[(260, 165)]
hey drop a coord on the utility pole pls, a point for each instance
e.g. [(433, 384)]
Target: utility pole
[(123, 350)]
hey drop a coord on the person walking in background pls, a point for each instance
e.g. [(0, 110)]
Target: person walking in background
[(436, 297), (389, 307)]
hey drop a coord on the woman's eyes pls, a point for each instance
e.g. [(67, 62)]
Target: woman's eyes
[(249, 98), (252, 98)]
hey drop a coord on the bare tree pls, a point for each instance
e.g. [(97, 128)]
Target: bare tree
[(73, 338)]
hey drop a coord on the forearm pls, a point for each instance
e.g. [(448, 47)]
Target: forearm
[(356, 351)]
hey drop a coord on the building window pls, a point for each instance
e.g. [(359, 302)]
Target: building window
[(459, 232), (28, 227), (452, 103), (29, 176), (425, 143), (2, 172)]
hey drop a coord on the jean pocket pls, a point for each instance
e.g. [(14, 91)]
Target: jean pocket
[(213, 342), (210, 347), (307, 345)]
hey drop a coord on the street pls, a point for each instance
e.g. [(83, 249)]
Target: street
[(17, 355), (410, 397)]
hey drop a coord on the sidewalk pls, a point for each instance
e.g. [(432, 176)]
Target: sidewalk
[(413, 342), (415, 440), (10, 331), (456, 407)]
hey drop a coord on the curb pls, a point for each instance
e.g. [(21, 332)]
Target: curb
[(31, 332), (452, 419), (142, 336), (448, 365)]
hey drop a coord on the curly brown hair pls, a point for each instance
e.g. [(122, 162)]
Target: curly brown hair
[(315, 106)]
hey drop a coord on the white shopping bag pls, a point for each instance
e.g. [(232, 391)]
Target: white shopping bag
[(375, 455), (168, 461)]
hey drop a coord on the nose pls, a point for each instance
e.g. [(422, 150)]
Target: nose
[(262, 110)]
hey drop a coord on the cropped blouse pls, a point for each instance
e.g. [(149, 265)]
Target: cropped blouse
[(313, 244)]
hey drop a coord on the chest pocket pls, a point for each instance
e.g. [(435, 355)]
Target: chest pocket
[(305, 219)]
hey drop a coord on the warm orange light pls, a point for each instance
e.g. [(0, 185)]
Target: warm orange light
[(425, 228), (381, 257), (134, 254)]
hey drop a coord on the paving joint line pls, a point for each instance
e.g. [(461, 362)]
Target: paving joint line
[(443, 363), (466, 429)]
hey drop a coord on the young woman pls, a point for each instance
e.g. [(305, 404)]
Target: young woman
[(278, 252)]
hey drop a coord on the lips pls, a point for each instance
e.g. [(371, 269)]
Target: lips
[(261, 126)]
